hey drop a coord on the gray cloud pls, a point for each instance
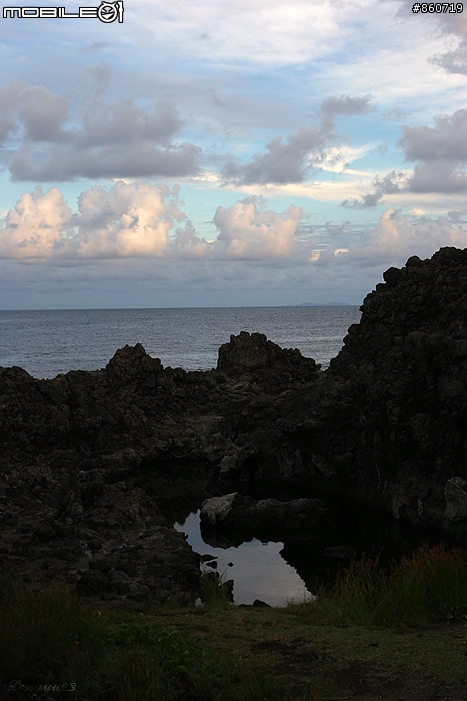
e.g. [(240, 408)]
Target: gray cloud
[(453, 61), (284, 162), (36, 110), (123, 122), (132, 160), (447, 140), (442, 175), (391, 184), (8, 102), (336, 229), (346, 105), (457, 214), (290, 161), (441, 152), (95, 46), (42, 114), (114, 139)]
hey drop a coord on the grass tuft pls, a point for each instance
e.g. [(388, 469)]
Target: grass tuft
[(426, 587), (214, 592)]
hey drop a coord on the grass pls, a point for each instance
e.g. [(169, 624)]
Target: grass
[(374, 623), (214, 592), (427, 587)]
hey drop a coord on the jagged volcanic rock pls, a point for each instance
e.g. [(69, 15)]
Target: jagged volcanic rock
[(78, 452), (389, 423)]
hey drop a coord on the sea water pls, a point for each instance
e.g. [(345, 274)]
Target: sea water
[(49, 342)]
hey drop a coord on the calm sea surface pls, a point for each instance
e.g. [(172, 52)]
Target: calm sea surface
[(49, 342)]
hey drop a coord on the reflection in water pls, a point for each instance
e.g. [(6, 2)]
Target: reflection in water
[(277, 571), (258, 570)]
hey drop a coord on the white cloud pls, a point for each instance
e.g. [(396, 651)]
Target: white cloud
[(38, 226), (248, 233), (135, 221), (270, 31), (144, 221), (130, 220), (396, 74)]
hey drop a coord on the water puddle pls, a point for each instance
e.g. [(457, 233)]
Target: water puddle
[(276, 572), (257, 568)]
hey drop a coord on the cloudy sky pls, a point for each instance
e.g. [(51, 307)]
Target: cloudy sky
[(227, 153)]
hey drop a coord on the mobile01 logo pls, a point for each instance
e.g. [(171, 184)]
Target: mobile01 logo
[(107, 12)]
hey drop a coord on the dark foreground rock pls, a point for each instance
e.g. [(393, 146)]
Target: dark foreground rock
[(389, 423), (88, 457), (91, 461), (240, 518), (114, 548)]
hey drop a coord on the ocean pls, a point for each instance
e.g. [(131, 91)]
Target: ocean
[(48, 342)]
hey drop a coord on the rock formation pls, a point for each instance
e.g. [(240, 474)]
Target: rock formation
[(240, 518), (389, 423), (89, 459)]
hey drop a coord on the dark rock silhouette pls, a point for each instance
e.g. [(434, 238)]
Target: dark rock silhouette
[(389, 424), (81, 451)]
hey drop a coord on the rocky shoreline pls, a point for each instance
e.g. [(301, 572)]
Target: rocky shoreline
[(91, 461)]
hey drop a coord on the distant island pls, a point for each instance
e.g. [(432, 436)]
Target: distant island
[(327, 304)]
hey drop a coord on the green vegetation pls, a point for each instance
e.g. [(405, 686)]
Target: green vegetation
[(372, 624), (427, 587), (214, 593)]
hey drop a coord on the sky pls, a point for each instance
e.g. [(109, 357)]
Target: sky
[(227, 153)]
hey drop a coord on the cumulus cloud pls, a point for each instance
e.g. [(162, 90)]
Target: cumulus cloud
[(394, 239), (142, 221), (128, 221), (37, 227), (441, 155), (107, 139), (137, 233), (247, 232)]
